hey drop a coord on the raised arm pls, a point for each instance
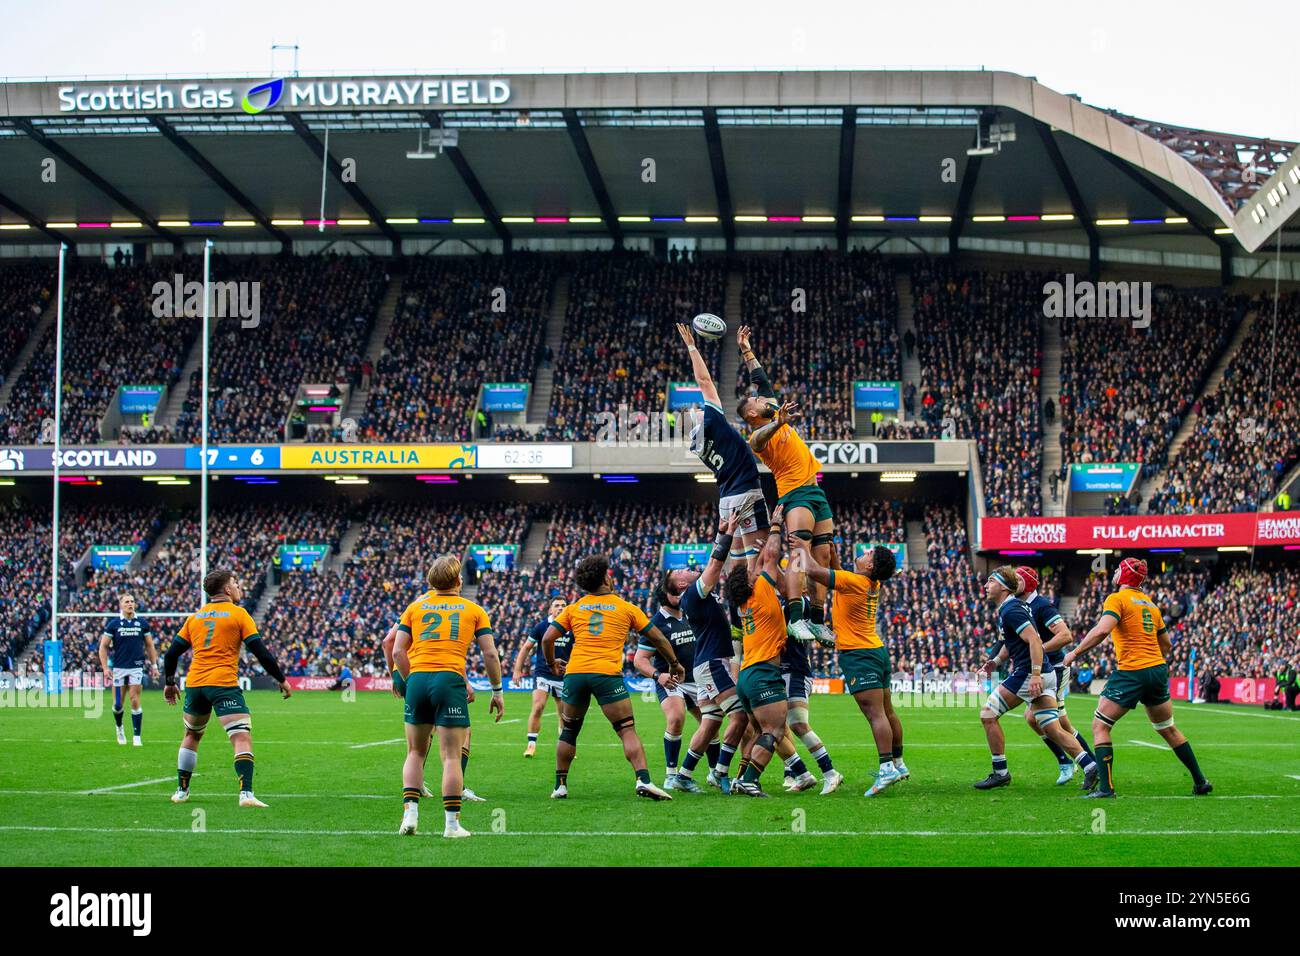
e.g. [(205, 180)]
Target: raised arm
[(769, 558), (703, 379), (756, 373), (721, 550), (759, 437)]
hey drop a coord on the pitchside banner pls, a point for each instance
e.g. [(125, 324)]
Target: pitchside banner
[(683, 395), (1141, 531), (1239, 690), (350, 457), (53, 667)]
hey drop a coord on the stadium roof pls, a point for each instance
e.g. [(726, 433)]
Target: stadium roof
[(880, 153)]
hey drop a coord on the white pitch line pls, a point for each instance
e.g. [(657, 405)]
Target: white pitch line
[(377, 743), (1237, 713), (641, 834), (126, 786), (1147, 743), (1294, 776)]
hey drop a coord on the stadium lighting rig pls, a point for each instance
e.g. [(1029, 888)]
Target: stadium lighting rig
[(440, 139)]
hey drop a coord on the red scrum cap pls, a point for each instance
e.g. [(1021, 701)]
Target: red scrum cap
[(1132, 572), (1029, 576)]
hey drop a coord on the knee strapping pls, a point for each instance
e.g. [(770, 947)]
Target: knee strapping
[(1045, 717), (996, 704), (238, 727), (624, 723), (803, 534), (796, 715), (766, 742), (732, 704), (1108, 721), (1163, 725), (709, 710), (569, 732), (824, 538)]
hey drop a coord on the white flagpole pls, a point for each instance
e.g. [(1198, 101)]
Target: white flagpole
[(203, 449), (58, 448), (324, 175)]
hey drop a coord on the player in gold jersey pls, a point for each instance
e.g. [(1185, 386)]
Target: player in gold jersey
[(432, 641), (795, 468), (600, 622), (863, 657), (1132, 620), (216, 633)]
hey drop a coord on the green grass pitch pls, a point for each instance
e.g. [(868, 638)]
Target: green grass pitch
[(330, 770)]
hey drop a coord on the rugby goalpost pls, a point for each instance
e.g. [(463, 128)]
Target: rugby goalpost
[(55, 613)]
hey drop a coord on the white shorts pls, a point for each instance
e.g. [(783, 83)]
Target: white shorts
[(713, 679), (552, 687), (752, 507), (689, 691), (125, 676), (1018, 684), (797, 686)]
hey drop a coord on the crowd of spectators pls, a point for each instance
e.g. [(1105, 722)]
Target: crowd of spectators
[(620, 346), (821, 322), (315, 317), (1247, 625), (978, 344), (111, 337), (1125, 391), (459, 323), (1247, 435), (25, 291), (24, 577)]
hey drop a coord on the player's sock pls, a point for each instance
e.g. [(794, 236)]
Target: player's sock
[(643, 776), (691, 761), (186, 761), (451, 808), (561, 779), (464, 760), (411, 797), (794, 611), (672, 750), (1000, 764), (744, 765), (532, 738), (1106, 759), (137, 719), (817, 613), (723, 762), (712, 750), (117, 717), (898, 751), (1061, 756), (817, 751), (1084, 760), (751, 772), (796, 766), (1184, 753), (244, 770), (1084, 744)]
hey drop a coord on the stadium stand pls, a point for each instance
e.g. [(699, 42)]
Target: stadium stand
[(1125, 391), (846, 330), (620, 346), (316, 313), (1248, 625), (450, 335), (24, 578), (25, 291), (1243, 443), (978, 345), (111, 337)]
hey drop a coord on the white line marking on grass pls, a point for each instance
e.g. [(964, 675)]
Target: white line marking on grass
[(641, 834), (126, 786), (1236, 713), (377, 743), (1294, 776), (1147, 743)]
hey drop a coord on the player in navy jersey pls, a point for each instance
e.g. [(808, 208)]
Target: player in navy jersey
[(1029, 681), (1048, 620), (675, 698), (713, 675), (545, 682), (715, 441), (130, 638)]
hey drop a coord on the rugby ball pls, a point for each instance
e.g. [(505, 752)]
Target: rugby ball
[(709, 326)]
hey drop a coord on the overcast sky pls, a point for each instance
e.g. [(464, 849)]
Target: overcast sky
[(1195, 63)]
